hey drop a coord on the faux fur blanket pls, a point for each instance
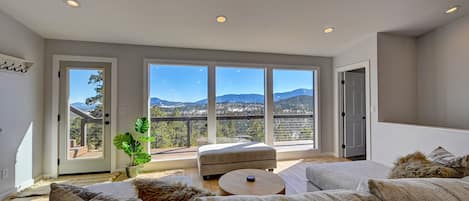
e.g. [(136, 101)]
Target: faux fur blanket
[(417, 165), (156, 190)]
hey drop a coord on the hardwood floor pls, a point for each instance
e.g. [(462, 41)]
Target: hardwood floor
[(293, 172)]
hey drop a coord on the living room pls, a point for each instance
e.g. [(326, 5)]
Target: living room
[(209, 89)]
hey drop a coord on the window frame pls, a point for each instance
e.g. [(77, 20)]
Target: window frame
[(268, 93), (315, 109)]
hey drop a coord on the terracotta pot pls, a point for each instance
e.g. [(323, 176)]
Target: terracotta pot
[(131, 171)]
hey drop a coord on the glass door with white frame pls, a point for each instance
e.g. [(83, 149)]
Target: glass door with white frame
[(84, 120)]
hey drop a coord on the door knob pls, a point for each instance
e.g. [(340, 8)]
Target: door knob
[(107, 122), (106, 115)]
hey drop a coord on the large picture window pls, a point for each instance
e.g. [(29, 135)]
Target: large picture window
[(294, 107), (240, 104), (196, 104), (178, 108)]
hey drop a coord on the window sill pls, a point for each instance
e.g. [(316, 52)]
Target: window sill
[(293, 148)]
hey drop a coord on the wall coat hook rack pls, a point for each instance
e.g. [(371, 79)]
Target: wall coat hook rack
[(14, 64)]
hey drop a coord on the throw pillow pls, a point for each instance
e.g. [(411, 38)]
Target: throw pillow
[(429, 189), (416, 165), (64, 192), (157, 190), (446, 158)]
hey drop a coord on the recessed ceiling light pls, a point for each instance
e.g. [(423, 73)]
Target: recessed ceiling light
[(329, 29), (452, 9), (221, 19), (73, 3)]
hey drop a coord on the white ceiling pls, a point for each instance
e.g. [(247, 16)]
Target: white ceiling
[(278, 26)]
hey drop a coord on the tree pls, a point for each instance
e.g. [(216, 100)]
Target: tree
[(97, 100), (94, 131)]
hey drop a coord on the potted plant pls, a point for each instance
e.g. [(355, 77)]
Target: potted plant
[(131, 144)]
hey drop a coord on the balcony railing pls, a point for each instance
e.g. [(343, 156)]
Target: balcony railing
[(86, 138), (288, 129)]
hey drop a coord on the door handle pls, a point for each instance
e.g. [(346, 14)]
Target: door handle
[(106, 115), (107, 122)]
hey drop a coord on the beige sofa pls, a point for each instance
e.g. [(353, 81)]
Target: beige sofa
[(353, 175), (379, 190), (218, 159)]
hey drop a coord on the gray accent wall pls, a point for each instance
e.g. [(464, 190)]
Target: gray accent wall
[(21, 107), (130, 75), (397, 78), (443, 76)]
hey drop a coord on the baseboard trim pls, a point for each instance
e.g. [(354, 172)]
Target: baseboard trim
[(24, 184), (47, 176), (6, 194), (38, 178)]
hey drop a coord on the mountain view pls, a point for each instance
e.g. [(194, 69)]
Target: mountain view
[(240, 118), (173, 134), (279, 98), (234, 98), (179, 121)]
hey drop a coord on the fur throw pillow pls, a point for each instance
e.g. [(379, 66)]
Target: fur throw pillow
[(417, 165), (64, 192), (157, 190)]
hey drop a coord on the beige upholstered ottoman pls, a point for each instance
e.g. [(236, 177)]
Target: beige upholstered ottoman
[(218, 159)]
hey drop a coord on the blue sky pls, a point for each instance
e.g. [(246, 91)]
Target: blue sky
[(79, 87), (189, 83)]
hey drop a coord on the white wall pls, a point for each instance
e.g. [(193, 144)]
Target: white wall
[(363, 50), (21, 107), (397, 78), (130, 76), (443, 76)]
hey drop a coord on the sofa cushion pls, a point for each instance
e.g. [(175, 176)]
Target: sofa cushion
[(332, 195), (417, 165), (428, 189), (466, 179), (346, 175)]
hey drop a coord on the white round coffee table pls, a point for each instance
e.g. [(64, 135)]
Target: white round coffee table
[(267, 183)]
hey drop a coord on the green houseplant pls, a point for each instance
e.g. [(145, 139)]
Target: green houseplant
[(132, 145)]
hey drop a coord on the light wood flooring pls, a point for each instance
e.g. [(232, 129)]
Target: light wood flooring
[(292, 172)]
